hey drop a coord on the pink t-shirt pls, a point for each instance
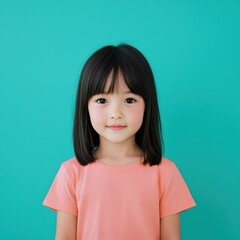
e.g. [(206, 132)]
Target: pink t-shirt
[(119, 202)]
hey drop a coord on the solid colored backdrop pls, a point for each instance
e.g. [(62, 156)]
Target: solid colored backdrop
[(193, 48)]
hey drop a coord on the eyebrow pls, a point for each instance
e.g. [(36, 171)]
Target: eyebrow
[(123, 92)]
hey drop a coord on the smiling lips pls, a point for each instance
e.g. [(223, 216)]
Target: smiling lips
[(116, 127)]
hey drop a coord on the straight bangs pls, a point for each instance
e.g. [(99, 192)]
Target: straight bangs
[(112, 65)]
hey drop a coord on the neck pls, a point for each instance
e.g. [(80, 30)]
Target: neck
[(118, 153)]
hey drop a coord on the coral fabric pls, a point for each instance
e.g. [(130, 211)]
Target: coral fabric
[(119, 202)]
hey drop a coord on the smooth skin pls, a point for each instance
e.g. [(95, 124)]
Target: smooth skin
[(170, 227), (66, 228), (116, 117)]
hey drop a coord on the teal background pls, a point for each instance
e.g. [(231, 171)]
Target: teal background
[(193, 48)]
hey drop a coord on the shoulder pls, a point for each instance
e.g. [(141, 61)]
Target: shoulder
[(168, 169), (166, 164), (71, 163), (174, 194), (71, 167)]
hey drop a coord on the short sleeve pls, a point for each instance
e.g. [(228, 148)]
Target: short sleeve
[(174, 193), (62, 194)]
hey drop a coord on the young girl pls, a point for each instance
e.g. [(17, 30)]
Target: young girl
[(118, 186)]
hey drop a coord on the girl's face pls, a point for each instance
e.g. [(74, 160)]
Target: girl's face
[(116, 116)]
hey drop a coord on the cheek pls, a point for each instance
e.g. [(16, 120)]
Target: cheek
[(96, 115), (137, 117), (92, 112)]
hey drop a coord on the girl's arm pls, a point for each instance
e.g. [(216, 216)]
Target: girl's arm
[(170, 227), (66, 228)]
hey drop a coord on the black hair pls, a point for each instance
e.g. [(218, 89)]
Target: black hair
[(139, 78)]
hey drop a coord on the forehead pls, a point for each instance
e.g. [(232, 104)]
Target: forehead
[(116, 84)]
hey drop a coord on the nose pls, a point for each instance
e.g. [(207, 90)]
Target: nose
[(115, 112), (116, 115)]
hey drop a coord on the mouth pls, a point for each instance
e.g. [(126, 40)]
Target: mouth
[(116, 127)]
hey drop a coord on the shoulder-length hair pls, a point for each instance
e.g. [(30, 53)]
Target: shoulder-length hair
[(139, 78)]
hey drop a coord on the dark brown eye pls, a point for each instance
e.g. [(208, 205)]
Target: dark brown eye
[(130, 100), (101, 100)]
